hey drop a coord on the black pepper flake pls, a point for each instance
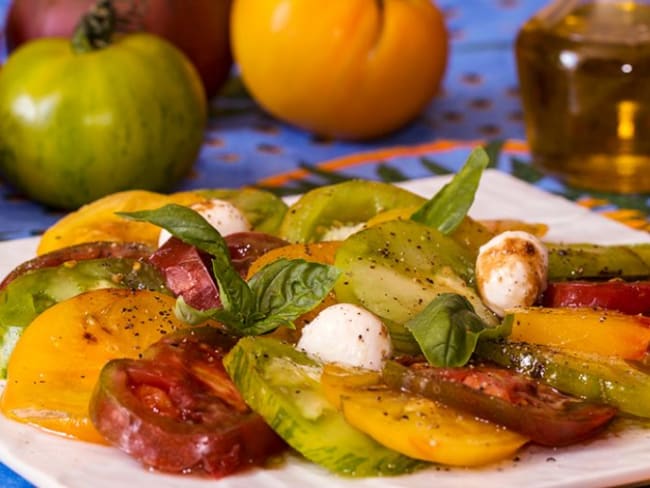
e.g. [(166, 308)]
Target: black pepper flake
[(89, 337)]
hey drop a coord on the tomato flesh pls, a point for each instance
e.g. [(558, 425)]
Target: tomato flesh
[(630, 297), (543, 414), (187, 273), (246, 247), (177, 410)]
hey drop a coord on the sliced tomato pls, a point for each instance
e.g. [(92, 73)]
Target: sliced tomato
[(630, 297), (177, 410), (604, 332), (80, 252), (187, 273), (246, 247), (507, 398)]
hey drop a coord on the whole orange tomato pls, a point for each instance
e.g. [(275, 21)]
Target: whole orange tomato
[(350, 69)]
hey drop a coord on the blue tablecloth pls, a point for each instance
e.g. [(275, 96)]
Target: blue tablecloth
[(243, 145)]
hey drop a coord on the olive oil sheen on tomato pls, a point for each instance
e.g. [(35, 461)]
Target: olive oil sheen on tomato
[(585, 85)]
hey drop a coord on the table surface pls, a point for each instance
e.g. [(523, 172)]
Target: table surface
[(479, 103)]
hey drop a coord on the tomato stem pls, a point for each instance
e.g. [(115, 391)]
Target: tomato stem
[(95, 29)]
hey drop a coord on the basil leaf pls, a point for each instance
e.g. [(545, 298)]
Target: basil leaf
[(187, 225), (286, 289), (449, 206), (235, 295), (448, 329), (276, 295), (194, 316)]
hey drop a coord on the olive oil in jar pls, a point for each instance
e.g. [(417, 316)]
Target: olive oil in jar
[(584, 73)]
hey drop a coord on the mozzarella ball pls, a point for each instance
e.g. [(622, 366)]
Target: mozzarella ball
[(222, 215), (511, 271), (349, 335)]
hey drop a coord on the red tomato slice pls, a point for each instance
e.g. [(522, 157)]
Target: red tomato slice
[(507, 398), (630, 297), (187, 273), (80, 252), (177, 410), (246, 247)]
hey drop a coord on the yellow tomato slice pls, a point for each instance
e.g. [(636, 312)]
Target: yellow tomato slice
[(603, 332), (497, 226), (416, 426), (56, 362), (97, 221)]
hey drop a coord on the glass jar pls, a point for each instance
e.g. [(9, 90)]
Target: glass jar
[(584, 74)]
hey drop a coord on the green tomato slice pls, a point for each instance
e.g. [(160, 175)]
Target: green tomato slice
[(604, 379), (35, 291), (397, 268), (283, 386), (347, 204)]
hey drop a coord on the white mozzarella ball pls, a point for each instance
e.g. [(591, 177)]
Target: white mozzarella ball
[(222, 215), (511, 271), (349, 335)]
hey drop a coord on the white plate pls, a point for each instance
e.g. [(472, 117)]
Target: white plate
[(614, 459)]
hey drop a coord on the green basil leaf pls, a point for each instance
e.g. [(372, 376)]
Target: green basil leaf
[(235, 295), (448, 329), (193, 316), (286, 289), (276, 295), (186, 224), (449, 206)]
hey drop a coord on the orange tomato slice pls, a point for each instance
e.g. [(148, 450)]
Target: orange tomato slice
[(603, 332), (319, 252), (56, 363)]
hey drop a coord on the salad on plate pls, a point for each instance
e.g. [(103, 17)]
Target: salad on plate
[(362, 328)]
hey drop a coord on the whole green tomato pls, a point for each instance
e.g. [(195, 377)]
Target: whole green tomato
[(80, 122)]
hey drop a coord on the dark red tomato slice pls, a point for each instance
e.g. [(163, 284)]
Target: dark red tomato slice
[(80, 252), (630, 297), (246, 247), (507, 398), (177, 410), (188, 271)]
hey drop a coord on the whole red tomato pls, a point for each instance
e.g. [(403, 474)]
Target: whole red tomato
[(200, 28)]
